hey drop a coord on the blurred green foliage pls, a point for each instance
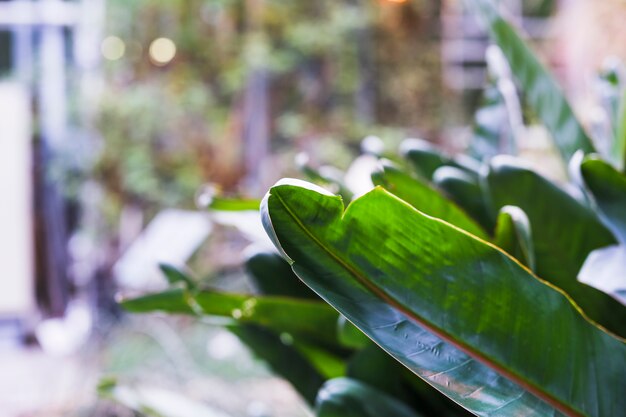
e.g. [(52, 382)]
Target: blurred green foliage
[(337, 71)]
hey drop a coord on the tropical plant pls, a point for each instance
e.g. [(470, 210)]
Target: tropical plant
[(461, 273)]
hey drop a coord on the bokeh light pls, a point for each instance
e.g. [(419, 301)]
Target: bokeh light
[(162, 51), (112, 48)]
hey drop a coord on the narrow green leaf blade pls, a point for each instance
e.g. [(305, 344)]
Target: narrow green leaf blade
[(176, 276), (608, 188), (541, 90), (424, 198), (565, 232), (344, 397), (311, 320), (233, 204), (447, 304)]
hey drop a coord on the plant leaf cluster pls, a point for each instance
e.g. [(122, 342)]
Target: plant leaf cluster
[(451, 288)]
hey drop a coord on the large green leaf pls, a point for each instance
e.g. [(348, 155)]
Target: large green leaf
[(608, 187), (541, 90), (344, 397), (424, 198), (311, 320), (448, 305), (564, 233)]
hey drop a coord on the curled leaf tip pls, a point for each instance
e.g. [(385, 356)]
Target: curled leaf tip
[(269, 228)]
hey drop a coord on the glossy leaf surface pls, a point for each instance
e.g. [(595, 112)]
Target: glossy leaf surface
[(424, 198), (344, 397), (608, 187), (541, 90), (564, 233), (447, 304)]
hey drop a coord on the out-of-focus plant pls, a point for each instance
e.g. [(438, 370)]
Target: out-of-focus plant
[(461, 272), (330, 72)]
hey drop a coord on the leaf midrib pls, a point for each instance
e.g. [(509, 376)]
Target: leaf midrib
[(430, 327)]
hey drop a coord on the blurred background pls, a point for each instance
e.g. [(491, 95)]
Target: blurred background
[(119, 118)]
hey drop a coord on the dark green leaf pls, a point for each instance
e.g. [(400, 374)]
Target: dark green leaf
[(282, 358), (272, 275), (350, 336), (513, 235), (344, 397), (608, 188), (465, 191), (330, 363), (424, 198), (175, 276), (445, 303), (374, 367), (541, 90), (564, 233), (425, 159)]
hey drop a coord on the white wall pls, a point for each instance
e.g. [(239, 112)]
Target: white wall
[(16, 229)]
